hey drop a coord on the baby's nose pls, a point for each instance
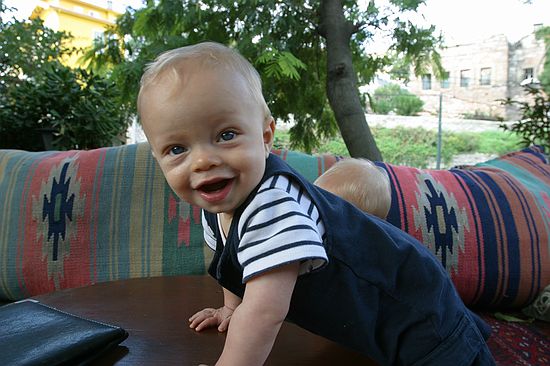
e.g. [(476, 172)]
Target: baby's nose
[(205, 158)]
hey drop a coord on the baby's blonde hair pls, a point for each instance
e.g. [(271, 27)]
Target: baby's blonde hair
[(361, 183), (211, 55)]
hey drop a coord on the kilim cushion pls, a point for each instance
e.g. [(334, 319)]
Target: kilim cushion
[(488, 224), (78, 217), (75, 218)]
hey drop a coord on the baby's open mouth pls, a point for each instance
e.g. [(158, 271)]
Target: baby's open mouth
[(213, 187)]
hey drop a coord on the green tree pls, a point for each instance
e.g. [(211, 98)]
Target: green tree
[(311, 55), (40, 95)]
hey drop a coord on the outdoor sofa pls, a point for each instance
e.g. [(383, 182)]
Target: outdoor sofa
[(75, 218)]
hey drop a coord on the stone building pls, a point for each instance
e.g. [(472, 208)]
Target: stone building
[(479, 75)]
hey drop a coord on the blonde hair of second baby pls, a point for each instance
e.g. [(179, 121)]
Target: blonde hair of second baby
[(360, 182)]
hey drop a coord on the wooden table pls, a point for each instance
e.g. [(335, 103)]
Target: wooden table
[(154, 311)]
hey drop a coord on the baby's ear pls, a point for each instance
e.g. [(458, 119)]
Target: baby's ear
[(269, 135)]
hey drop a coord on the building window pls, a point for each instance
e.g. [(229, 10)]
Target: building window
[(485, 76), (528, 73), (465, 77), (426, 81), (445, 81)]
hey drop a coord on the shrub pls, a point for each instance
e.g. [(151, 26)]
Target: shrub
[(418, 147), (38, 93), (393, 98), (77, 107), (482, 116), (409, 146), (534, 126)]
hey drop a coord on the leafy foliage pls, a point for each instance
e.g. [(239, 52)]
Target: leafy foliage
[(417, 146), (482, 115), (544, 33), (75, 105), (420, 54), (281, 38), (534, 126), (39, 94), (393, 98)]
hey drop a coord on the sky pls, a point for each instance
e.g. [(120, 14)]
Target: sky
[(469, 20), (460, 21)]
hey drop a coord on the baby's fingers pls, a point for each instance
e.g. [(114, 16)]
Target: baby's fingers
[(204, 313), (199, 319), (224, 324), (207, 323)]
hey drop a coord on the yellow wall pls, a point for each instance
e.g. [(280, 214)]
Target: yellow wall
[(83, 20)]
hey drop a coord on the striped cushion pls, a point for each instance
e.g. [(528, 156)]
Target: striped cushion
[(74, 218), (488, 224), (78, 217)]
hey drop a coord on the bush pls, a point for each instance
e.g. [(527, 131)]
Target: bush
[(392, 98), (534, 126), (37, 93), (482, 116), (410, 146), (497, 142), (79, 108), (418, 147)]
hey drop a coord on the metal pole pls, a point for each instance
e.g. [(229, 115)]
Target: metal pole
[(439, 133)]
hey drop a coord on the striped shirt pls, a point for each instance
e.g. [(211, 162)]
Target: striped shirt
[(280, 225)]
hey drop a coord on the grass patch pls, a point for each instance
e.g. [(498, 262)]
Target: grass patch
[(417, 146)]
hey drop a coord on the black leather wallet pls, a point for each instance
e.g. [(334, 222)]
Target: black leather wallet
[(32, 333)]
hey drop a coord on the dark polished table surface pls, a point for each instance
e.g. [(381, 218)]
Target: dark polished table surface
[(154, 311)]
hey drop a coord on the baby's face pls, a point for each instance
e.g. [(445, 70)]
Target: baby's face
[(208, 134)]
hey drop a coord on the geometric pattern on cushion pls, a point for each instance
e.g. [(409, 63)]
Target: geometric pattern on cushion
[(488, 224), (74, 218)]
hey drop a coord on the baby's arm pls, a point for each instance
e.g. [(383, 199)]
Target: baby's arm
[(220, 317), (257, 320)]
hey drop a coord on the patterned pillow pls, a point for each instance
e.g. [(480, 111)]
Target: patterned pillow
[(75, 218), (488, 224), (78, 217)]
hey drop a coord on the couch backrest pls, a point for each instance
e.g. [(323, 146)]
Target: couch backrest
[(488, 224), (74, 218)]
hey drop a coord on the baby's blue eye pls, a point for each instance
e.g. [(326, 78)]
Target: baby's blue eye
[(228, 135), (176, 150)]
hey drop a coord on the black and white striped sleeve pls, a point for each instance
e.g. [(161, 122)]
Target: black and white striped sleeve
[(209, 236), (277, 228)]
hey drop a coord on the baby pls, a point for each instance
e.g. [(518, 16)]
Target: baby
[(360, 182), (284, 248)]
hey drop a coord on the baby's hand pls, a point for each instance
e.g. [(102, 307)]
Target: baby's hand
[(209, 317)]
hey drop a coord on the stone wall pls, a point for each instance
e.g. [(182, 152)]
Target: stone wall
[(496, 69)]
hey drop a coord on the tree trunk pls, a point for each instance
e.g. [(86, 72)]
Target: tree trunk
[(342, 91)]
